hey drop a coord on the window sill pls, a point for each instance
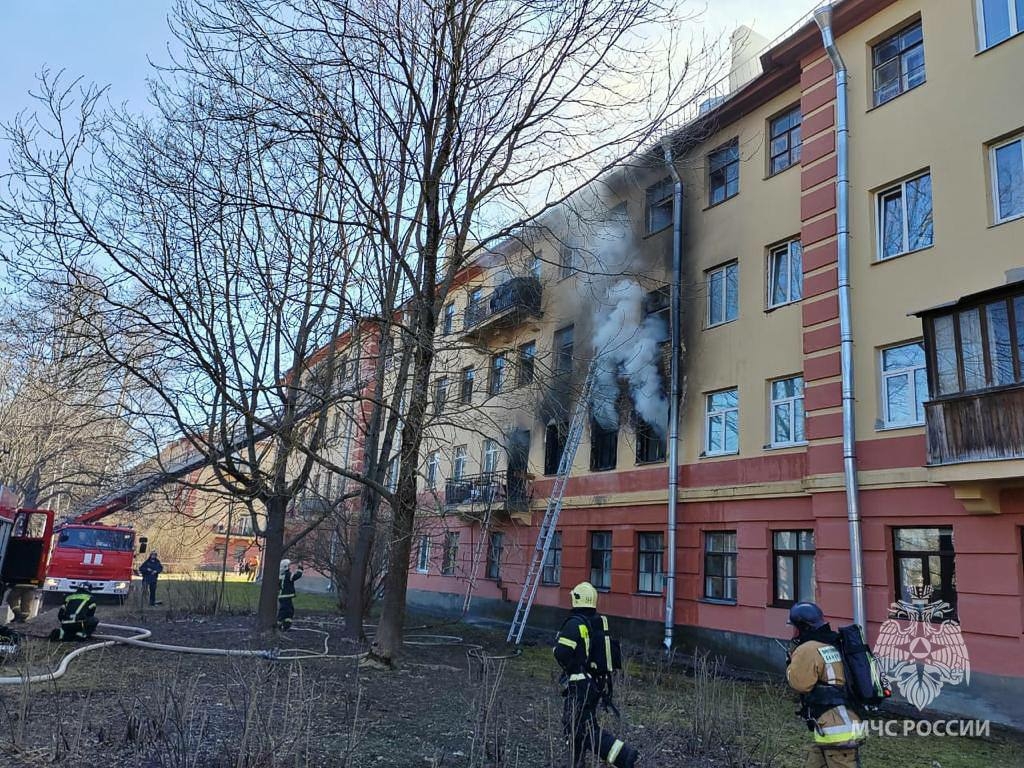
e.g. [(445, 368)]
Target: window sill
[(425, 573), (648, 462), (873, 107), (1007, 220), (897, 256), (666, 228), (704, 455), (986, 49), (782, 171), (784, 446), (716, 601), (709, 206), (648, 594), (771, 308), (897, 427), (709, 326)]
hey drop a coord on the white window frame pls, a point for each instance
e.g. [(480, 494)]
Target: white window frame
[(491, 457), (423, 555), (780, 248), (885, 375), (993, 148), (774, 402), (900, 188), (433, 469), (448, 319), (658, 196), (1016, 24), (723, 414), (459, 461), (724, 269)]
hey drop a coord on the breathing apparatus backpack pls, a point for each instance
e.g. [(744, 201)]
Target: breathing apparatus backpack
[(866, 686), (605, 652)]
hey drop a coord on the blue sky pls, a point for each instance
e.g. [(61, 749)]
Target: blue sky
[(108, 41)]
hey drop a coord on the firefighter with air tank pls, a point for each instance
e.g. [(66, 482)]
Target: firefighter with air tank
[(816, 671), (587, 654), (77, 617)]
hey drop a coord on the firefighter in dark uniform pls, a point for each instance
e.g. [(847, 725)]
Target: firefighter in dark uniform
[(815, 671), (583, 651), (285, 608), (77, 617)]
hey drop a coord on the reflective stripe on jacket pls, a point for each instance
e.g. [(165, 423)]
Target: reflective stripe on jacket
[(816, 663)]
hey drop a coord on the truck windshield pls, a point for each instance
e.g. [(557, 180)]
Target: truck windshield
[(97, 538)]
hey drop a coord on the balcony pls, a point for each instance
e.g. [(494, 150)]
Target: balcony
[(506, 493), (507, 305)]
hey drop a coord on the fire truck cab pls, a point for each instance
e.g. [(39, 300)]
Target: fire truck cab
[(100, 557)]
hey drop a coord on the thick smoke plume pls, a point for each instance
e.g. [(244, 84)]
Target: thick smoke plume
[(626, 344)]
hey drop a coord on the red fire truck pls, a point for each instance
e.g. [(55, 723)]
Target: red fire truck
[(25, 538)]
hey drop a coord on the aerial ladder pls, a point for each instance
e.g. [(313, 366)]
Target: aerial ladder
[(546, 534)]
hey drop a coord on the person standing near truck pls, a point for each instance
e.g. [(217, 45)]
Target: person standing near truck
[(150, 570)]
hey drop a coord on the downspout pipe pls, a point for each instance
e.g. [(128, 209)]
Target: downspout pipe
[(676, 340), (823, 18)]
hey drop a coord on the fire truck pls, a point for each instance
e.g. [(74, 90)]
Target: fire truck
[(25, 539)]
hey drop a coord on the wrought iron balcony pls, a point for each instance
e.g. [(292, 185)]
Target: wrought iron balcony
[(506, 305), (976, 426), (507, 491)]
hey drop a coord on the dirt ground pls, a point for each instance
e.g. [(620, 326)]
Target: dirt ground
[(453, 701)]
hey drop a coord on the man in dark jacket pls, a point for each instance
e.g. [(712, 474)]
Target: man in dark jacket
[(285, 608), (583, 651), (150, 570), (77, 617)]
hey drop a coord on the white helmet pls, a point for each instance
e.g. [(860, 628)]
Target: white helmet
[(285, 565)]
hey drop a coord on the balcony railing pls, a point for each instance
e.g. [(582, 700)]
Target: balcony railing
[(501, 490), (509, 302), (980, 426)]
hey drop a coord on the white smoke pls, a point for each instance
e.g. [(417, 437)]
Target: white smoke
[(626, 344)]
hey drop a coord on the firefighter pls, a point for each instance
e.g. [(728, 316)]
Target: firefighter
[(77, 617), (582, 651), (815, 671), (285, 608), (150, 571)]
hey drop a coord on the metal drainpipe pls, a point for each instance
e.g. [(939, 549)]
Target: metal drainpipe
[(823, 18), (674, 396)]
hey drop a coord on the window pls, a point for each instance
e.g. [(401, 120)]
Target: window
[(999, 19), (552, 573), (563, 343), (1008, 178), (554, 444), (440, 393), (898, 63), (423, 555), (978, 347), (495, 544), (650, 444), (784, 149), (433, 469), (490, 462), (905, 217), (793, 554), (924, 558), (721, 423), (659, 205), (459, 462), (527, 363), (724, 173), (904, 385), (448, 323), (601, 559), (497, 380), (604, 445), (723, 286), (650, 569), (568, 256), (535, 265), (787, 412), (466, 391), (720, 565), (451, 553), (475, 307), (785, 274)]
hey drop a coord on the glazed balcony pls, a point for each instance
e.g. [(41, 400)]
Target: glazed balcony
[(507, 305), (506, 493)]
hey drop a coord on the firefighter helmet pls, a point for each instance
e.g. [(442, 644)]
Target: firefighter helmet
[(805, 616), (584, 595), (285, 565)]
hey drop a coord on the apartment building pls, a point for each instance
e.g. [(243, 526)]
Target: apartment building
[(936, 217)]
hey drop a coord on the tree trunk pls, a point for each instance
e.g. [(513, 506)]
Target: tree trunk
[(355, 608), (273, 548), (388, 642)]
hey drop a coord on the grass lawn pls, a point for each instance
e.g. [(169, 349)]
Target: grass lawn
[(199, 592)]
